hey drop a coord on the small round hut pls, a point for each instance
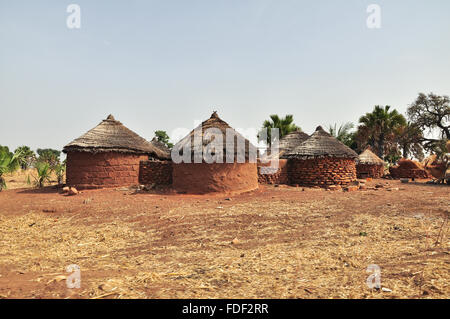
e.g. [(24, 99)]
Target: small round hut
[(279, 175), (108, 156), (369, 165), (322, 161), (214, 158)]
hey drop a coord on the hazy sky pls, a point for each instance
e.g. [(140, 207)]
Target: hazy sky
[(166, 64)]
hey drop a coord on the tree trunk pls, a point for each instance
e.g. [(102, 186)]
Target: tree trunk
[(405, 151), (381, 147)]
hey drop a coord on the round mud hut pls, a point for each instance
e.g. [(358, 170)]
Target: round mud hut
[(108, 156), (214, 158), (321, 161), (279, 175), (369, 165)]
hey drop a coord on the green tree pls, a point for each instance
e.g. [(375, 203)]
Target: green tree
[(8, 163), (49, 156), (285, 125), (163, 137), (343, 133), (430, 112), (27, 156), (379, 125)]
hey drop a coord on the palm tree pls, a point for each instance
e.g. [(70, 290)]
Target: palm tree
[(342, 133), (284, 125), (8, 163), (43, 173), (379, 124)]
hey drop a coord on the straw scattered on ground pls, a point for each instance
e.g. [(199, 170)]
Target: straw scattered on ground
[(274, 243)]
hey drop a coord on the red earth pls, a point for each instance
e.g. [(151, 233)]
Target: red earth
[(275, 242)]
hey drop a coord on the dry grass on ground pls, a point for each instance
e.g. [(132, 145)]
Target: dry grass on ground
[(289, 243), (25, 178)]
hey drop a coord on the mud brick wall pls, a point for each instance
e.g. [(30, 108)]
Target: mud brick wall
[(102, 170), (322, 172), (155, 172), (266, 175), (201, 178), (405, 172), (369, 170)]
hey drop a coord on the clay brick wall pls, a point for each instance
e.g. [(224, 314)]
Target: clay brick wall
[(204, 178), (369, 170), (322, 172), (155, 172), (278, 176), (405, 172), (101, 170)]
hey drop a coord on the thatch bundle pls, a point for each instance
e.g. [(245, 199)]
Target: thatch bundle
[(112, 136), (369, 158), (321, 144), (237, 145)]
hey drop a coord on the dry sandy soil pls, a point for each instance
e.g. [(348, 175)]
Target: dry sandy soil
[(277, 242), (25, 178)]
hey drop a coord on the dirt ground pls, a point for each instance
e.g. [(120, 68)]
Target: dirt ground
[(276, 242)]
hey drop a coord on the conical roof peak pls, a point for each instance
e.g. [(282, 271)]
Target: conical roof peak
[(214, 115)]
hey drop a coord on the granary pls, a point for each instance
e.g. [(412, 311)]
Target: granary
[(279, 175), (369, 165), (321, 160), (108, 156), (214, 158)]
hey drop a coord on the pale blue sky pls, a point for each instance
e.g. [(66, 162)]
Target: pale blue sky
[(166, 64)]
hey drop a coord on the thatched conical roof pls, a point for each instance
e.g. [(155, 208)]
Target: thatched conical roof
[(291, 141), (368, 157), (321, 144), (112, 136), (207, 136), (287, 144)]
